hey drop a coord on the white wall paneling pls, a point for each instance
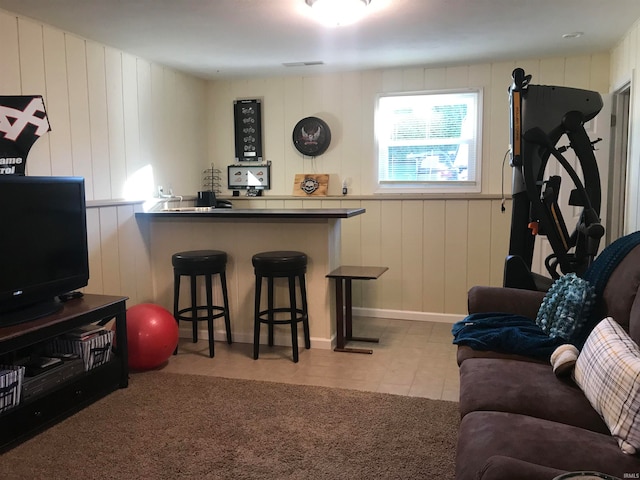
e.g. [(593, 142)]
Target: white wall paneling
[(114, 114)]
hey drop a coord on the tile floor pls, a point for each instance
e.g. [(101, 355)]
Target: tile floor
[(413, 358)]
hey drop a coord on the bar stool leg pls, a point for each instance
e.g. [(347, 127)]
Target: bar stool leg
[(225, 297), (294, 324), (348, 325), (194, 309), (256, 322), (270, 294), (209, 287), (176, 292), (305, 312)]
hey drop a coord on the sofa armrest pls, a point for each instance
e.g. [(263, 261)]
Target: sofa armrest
[(507, 300), (499, 467)]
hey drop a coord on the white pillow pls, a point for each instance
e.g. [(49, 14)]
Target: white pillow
[(563, 360), (608, 372)]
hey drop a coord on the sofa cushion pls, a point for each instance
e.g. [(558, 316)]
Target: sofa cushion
[(608, 371), (526, 388), (482, 298), (465, 352), (549, 444)]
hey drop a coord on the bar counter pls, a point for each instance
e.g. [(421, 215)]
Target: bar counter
[(242, 233), (253, 213)]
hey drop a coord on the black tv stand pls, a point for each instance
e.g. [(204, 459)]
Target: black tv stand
[(41, 411), (31, 312)]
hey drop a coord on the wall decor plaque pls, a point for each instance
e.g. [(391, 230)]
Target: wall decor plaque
[(247, 119), (310, 184), (311, 136)]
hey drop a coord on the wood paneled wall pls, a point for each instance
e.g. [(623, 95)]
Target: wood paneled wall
[(347, 102), (121, 122), (116, 118), (118, 257), (435, 249)]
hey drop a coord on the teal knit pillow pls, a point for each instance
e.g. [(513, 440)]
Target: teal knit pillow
[(566, 307)]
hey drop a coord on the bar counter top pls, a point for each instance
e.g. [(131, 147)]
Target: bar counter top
[(254, 213)]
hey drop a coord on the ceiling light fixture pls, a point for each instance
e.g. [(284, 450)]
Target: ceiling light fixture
[(336, 13)]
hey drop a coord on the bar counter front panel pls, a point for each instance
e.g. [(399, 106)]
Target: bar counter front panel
[(242, 233)]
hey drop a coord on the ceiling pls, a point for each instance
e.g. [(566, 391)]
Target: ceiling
[(249, 38)]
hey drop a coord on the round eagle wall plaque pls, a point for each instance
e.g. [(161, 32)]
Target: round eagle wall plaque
[(311, 136)]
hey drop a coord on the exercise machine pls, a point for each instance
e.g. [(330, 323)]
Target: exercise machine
[(540, 116)]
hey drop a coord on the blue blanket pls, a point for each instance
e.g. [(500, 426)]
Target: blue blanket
[(506, 333)]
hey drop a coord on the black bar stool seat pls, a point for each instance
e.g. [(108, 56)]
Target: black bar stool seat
[(291, 265), (195, 263)]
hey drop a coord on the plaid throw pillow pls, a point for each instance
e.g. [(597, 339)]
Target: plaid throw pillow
[(608, 372)]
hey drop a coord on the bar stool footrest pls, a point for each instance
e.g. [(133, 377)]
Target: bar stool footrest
[(300, 316), (199, 318)]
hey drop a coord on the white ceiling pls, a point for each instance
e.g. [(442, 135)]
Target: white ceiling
[(231, 38)]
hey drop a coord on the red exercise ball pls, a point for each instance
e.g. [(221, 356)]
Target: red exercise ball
[(152, 335)]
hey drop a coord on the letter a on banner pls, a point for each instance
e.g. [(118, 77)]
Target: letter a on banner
[(23, 120)]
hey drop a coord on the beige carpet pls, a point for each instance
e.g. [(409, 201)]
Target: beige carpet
[(170, 426)]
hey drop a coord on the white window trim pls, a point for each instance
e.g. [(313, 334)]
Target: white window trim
[(431, 187)]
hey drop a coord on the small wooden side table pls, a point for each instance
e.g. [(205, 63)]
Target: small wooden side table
[(343, 276)]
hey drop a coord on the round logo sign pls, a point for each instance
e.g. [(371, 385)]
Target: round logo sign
[(311, 136)]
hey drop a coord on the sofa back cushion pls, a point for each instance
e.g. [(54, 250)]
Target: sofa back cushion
[(620, 296), (608, 372)]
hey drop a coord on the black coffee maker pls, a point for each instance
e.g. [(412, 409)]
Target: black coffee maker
[(207, 198)]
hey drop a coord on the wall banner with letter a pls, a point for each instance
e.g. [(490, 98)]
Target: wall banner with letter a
[(23, 120)]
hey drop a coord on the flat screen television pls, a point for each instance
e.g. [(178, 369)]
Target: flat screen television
[(43, 244)]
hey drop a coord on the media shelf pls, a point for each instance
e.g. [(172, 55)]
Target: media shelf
[(66, 398)]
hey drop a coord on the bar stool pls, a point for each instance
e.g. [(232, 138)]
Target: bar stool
[(281, 264), (205, 263)]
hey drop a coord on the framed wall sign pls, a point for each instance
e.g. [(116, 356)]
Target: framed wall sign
[(247, 118), (252, 177)]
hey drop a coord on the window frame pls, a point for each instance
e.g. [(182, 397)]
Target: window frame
[(437, 186)]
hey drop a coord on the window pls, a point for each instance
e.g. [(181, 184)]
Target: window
[(429, 141)]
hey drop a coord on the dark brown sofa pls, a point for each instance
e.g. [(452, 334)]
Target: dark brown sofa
[(520, 420)]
